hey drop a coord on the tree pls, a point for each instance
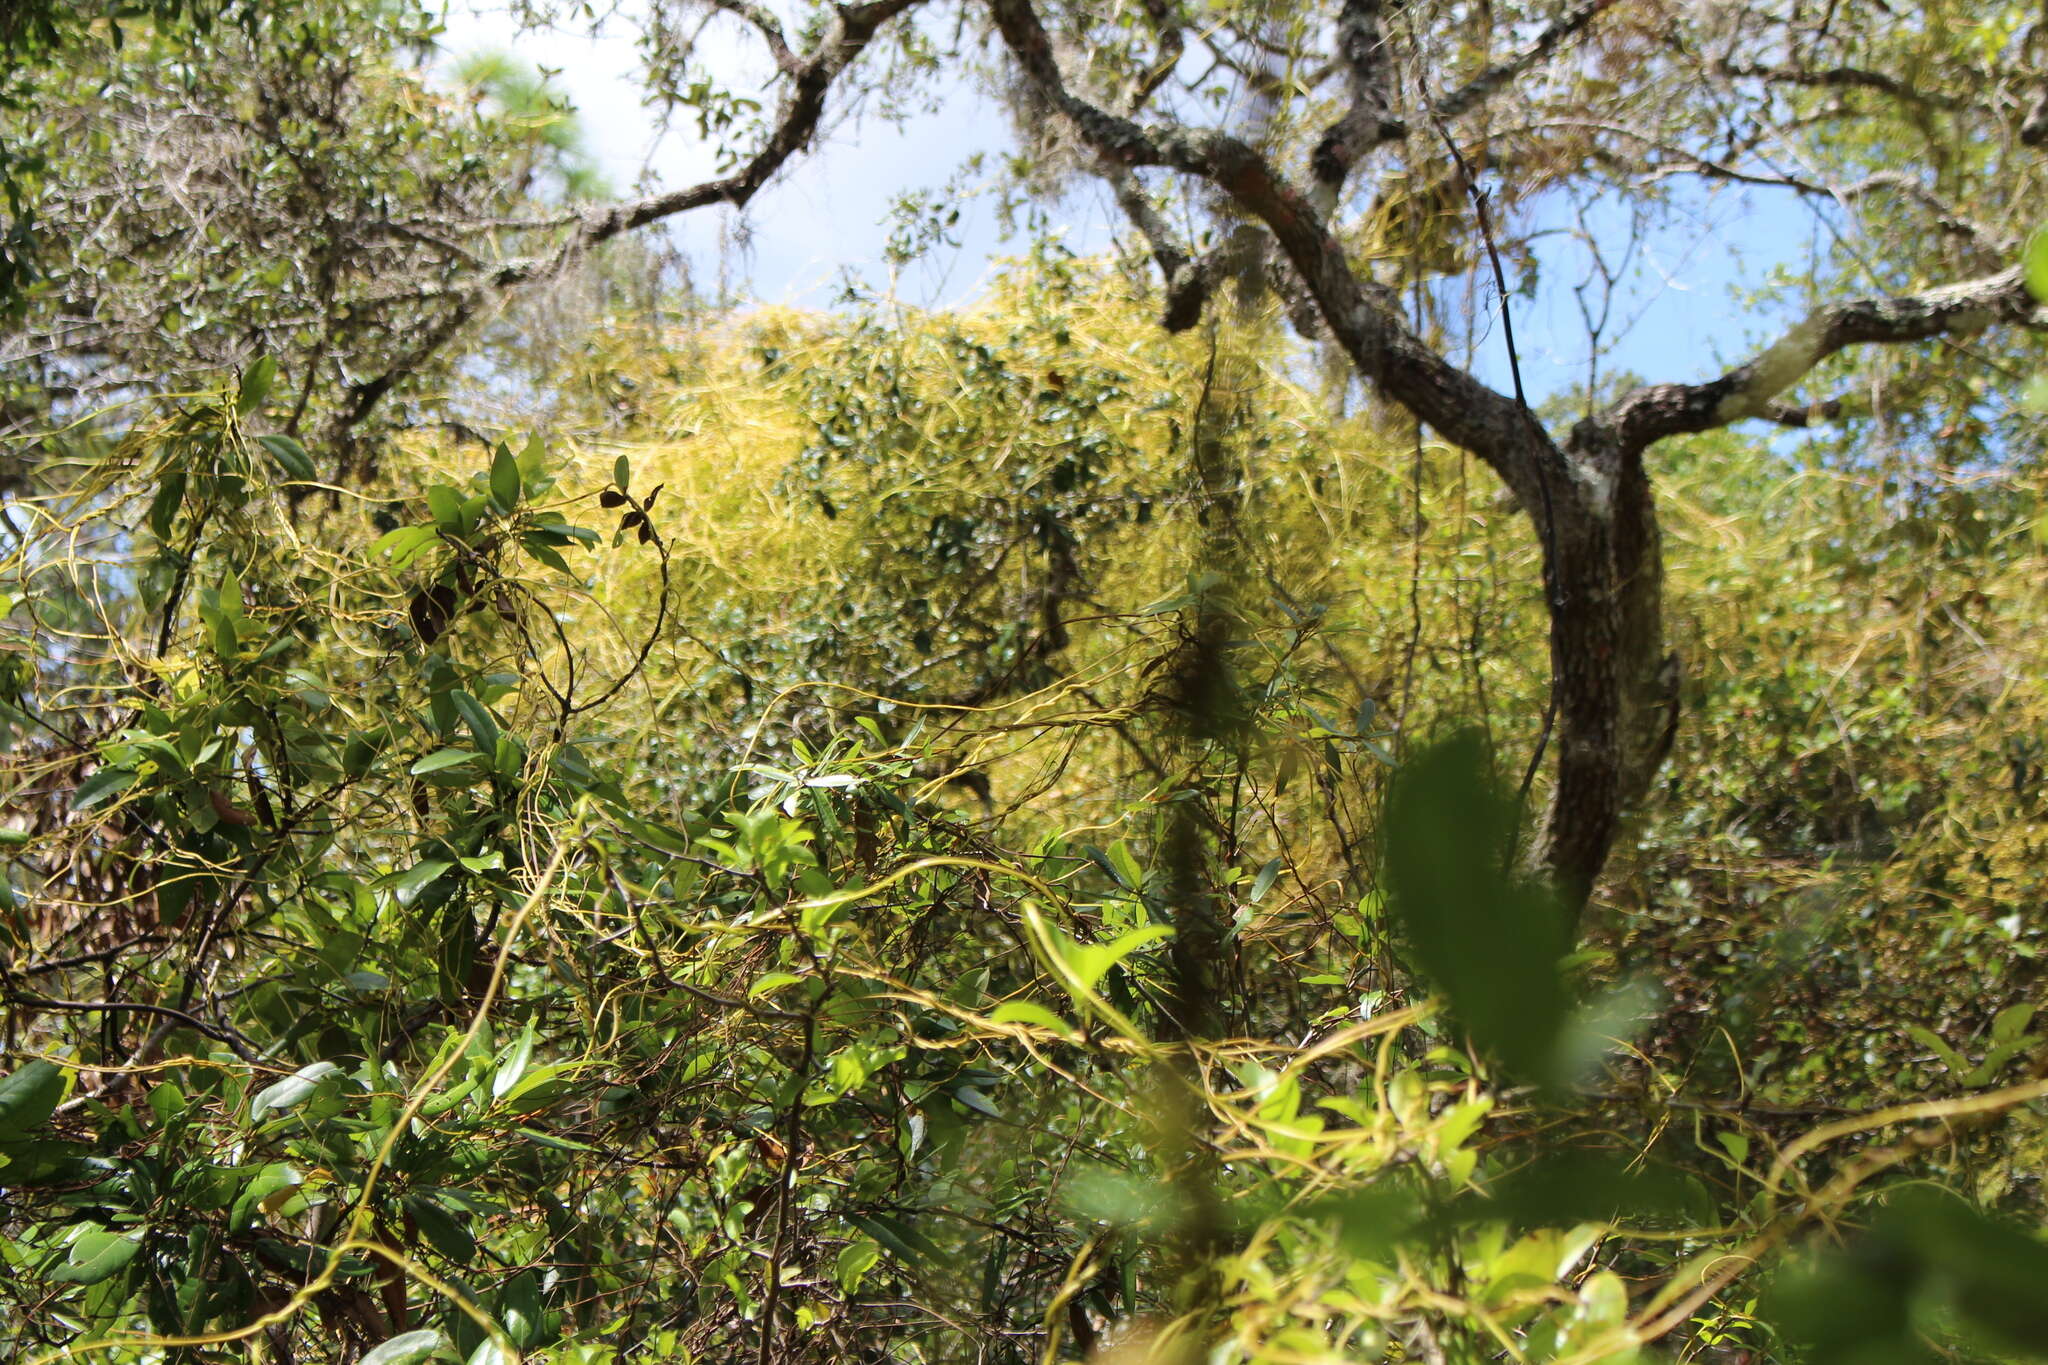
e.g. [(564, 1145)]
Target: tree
[(289, 185), (1342, 150), (1588, 489), (546, 912)]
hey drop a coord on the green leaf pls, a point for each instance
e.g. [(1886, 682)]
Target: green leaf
[(1926, 1255), (289, 456), (1488, 938), (2010, 1022), (416, 878), (1025, 1012), (772, 981), (255, 384), (902, 1240), (533, 459), (541, 1087), (2037, 264), (443, 1230), (94, 1255), (163, 508), (1101, 860), (483, 727), (441, 760), (1371, 1222), (1996, 1060), (29, 1096), (404, 1348), (1128, 871), (972, 1097), (854, 1261), (446, 505), (546, 554), (1567, 1187), (519, 1309), (1950, 1058), (1102, 1194), (290, 1092), (505, 479), (105, 783), (622, 473), (513, 1066), (1092, 961), (405, 544), (1263, 883)]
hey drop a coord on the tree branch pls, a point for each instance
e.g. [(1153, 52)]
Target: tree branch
[(1172, 46), (1655, 411), (1466, 411), (1369, 119), (1487, 83), (1841, 78), (2034, 127), (770, 29), (811, 78), (850, 33)]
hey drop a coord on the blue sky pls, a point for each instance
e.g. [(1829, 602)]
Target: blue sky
[(1674, 315)]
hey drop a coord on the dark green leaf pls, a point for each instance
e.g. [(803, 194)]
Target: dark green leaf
[(901, 1240), (163, 508), (1101, 860), (1560, 1189), (28, 1097), (94, 1255), (289, 456), (546, 554), (1371, 1222), (483, 727), (256, 384), (105, 783)]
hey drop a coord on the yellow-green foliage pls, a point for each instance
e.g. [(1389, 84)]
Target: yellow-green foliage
[(1860, 754), (810, 568), (1151, 621)]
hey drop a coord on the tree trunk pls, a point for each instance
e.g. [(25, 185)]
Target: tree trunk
[(1614, 686)]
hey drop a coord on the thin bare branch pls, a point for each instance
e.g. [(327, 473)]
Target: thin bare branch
[(1499, 76), (796, 123)]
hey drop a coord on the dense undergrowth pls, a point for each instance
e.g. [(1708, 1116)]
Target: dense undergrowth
[(960, 837)]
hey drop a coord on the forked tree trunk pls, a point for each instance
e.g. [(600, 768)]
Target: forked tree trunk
[(1614, 686)]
